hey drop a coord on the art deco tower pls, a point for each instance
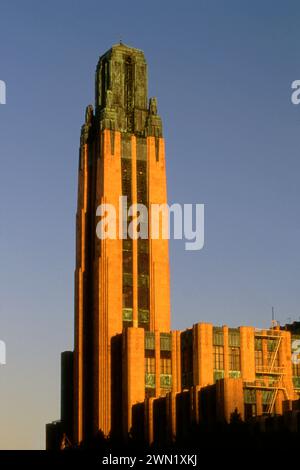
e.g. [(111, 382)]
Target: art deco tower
[(121, 285)]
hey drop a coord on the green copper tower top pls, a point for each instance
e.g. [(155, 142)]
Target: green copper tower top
[(121, 94)]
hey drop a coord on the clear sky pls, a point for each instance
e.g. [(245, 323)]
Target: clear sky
[(222, 72)]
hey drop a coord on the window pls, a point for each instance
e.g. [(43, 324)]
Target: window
[(271, 344), (127, 244), (143, 263), (126, 179), (143, 245), (165, 366), (218, 375), (296, 382), (127, 261), (143, 280), (150, 371), (234, 337), (127, 296), (218, 357), (266, 396), (272, 359), (218, 337), (165, 342), (149, 340), (141, 172), (234, 359), (150, 365), (143, 316), (127, 279), (186, 359), (295, 358), (129, 92), (258, 358), (143, 297), (143, 283), (296, 369), (249, 395)]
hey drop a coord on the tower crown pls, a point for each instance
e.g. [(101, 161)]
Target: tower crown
[(121, 91)]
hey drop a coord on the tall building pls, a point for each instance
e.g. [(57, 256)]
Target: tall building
[(119, 283), (128, 371)]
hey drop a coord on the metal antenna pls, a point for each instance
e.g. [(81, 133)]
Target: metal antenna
[(274, 323)]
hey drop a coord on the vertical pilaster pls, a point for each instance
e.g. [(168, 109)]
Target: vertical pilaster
[(80, 291), (247, 353), (157, 363), (159, 248), (203, 354), (226, 351), (176, 361), (133, 365)]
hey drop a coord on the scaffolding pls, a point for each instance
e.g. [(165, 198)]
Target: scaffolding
[(270, 375)]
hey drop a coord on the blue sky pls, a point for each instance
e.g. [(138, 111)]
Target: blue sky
[(222, 73)]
